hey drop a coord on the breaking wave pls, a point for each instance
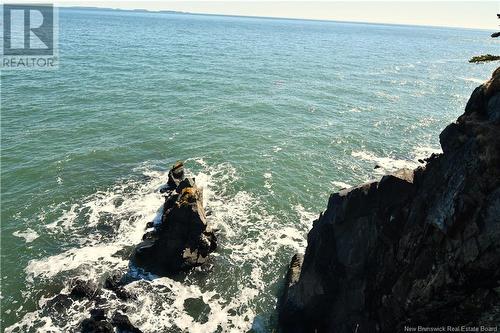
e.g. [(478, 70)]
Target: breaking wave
[(387, 164), (236, 291)]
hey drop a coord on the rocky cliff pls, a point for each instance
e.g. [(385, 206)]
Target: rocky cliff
[(418, 247)]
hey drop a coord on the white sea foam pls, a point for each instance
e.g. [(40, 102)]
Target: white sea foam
[(389, 164), (424, 151), (29, 235), (65, 220), (138, 207), (305, 216), (340, 185), (386, 164), (472, 79), (73, 259), (250, 238), (267, 181), (387, 96)]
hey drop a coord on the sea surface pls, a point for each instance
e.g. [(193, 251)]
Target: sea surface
[(270, 115)]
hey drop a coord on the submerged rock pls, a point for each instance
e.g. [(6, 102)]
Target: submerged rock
[(183, 239), (197, 308), (418, 247)]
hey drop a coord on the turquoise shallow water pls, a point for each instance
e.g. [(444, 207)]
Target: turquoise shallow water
[(271, 116)]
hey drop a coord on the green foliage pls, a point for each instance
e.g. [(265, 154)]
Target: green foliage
[(484, 58)]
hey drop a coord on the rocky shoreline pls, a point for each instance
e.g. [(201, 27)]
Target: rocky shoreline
[(417, 247), (180, 241)]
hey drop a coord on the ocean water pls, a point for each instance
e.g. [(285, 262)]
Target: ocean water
[(270, 115)]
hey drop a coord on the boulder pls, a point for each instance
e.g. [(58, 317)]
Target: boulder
[(183, 239), (91, 325), (123, 325), (175, 175), (115, 283), (98, 314), (418, 247), (98, 323), (84, 289), (60, 302)]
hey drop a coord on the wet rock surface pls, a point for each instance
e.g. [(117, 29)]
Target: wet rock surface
[(99, 323), (418, 247), (84, 289), (183, 239), (91, 291), (116, 283)]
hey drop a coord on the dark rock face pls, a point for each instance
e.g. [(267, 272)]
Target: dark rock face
[(418, 247), (116, 284), (175, 175), (123, 325), (91, 325), (98, 323), (183, 239), (98, 314), (84, 289)]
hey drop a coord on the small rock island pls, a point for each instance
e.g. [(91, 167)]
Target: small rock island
[(183, 239)]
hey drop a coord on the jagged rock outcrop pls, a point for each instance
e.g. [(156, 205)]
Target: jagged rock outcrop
[(418, 247), (116, 283), (183, 239), (90, 291)]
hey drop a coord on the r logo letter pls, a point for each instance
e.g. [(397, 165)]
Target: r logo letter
[(28, 30)]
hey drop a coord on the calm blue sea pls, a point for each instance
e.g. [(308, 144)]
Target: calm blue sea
[(270, 115)]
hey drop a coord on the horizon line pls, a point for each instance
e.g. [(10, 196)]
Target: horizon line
[(166, 11)]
